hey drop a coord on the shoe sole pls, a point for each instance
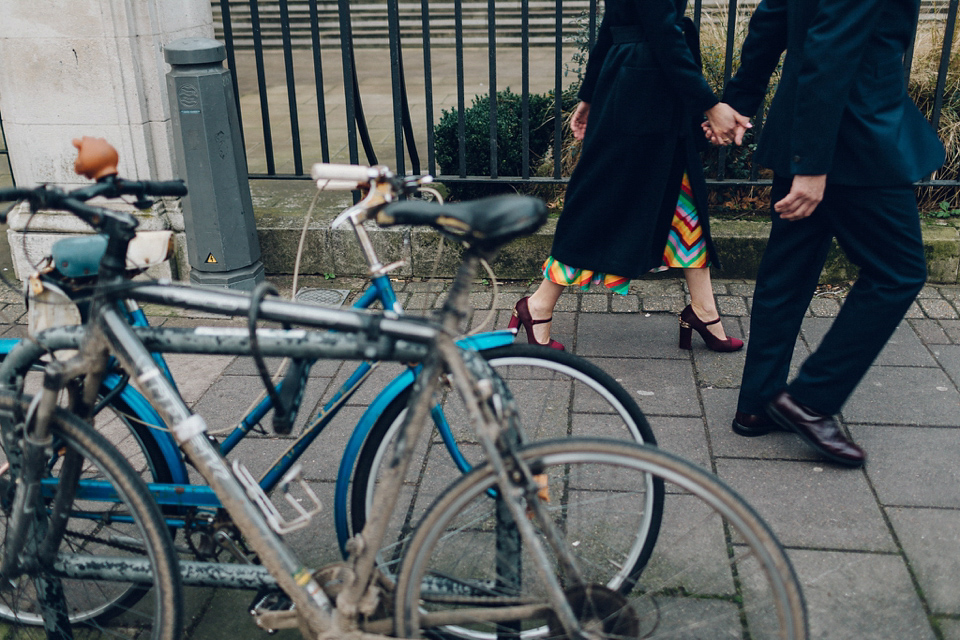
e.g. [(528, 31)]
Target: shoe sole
[(750, 432), (789, 426)]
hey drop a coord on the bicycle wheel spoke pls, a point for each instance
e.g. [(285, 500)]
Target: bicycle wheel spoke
[(715, 572), (130, 526)]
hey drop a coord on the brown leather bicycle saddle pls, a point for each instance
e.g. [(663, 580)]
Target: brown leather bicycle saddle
[(488, 223)]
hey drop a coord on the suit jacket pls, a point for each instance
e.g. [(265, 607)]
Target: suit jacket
[(841, 107)]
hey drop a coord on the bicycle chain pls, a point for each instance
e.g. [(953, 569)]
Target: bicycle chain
[(118, 545)]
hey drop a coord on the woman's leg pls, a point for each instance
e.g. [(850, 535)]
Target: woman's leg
[(702, 300), (541, 304)]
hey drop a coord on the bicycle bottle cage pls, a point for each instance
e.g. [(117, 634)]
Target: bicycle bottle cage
[(269, 510)]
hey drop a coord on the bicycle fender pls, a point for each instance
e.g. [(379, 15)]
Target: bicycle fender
[(487, 340), (7, 345), (478, 342), (357, 438), (157, 430)]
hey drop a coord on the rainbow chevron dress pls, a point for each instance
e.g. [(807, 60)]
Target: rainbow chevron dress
[(685, 249)]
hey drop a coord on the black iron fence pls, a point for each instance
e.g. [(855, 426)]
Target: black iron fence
[(334, 80)]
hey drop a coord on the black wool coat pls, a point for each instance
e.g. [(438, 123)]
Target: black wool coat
[(647, 97)]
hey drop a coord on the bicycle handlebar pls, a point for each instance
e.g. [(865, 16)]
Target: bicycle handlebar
[(347, 177), (50, 197), (342, 177)]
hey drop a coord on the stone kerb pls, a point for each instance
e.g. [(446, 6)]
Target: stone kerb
[(280, 208)]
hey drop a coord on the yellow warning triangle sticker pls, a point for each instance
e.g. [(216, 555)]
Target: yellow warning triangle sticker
[(211, 259)]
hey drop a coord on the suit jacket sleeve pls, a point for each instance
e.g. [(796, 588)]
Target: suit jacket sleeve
[(832, 51), (766, 40)]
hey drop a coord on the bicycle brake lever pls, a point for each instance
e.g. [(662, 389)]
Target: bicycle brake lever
[(6, 212), (143, 203)]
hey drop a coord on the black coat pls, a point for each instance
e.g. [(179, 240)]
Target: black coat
[(841, 106), (647, 97)]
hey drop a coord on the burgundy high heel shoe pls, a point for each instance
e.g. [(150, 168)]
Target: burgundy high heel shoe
[(689, 321), (521, 316)]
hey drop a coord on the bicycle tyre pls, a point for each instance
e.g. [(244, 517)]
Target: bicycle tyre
[(533, 373), (740, 583), (132, 527)]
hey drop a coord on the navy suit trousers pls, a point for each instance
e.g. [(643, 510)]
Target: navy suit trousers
[(879, 230)]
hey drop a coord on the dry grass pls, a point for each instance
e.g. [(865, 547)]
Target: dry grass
[(923, 85)]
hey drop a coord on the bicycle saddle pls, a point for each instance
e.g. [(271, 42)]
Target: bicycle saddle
[(79, 256), (488, 223)]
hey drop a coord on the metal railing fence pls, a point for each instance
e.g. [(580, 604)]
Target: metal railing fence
[(300, 102)]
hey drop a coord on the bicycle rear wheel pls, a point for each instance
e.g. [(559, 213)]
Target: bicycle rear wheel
[(717, 570), (112, 518), (557, 395)]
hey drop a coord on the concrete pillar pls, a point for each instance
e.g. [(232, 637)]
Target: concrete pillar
[(95, 68)]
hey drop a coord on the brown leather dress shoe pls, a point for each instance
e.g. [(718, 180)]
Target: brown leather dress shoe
[(751, 425), (819, 431)]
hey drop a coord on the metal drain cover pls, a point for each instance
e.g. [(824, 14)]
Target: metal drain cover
[(323, 297)]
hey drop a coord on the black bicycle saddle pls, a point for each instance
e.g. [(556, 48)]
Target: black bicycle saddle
[(488, 223)]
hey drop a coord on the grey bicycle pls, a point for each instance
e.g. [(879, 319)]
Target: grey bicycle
[(533, 542)]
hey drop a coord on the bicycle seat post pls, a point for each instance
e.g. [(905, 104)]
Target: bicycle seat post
[(366, 246), (456, 306)]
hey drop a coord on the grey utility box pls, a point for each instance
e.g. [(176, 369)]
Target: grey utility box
[(222, 244)]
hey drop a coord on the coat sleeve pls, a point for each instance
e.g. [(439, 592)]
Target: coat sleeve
[(766, 40), (595, 61), (832, 51), (661, 25)]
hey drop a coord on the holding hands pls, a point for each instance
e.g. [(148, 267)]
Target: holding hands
[(725, 125)]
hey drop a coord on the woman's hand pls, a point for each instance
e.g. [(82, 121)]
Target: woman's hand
[(725, 125), (578, 121)]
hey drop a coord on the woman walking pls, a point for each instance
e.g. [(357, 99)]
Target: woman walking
[(636, 201)]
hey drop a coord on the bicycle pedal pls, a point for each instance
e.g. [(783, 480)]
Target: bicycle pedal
[(276, 521), (272, 601), (273, 621)]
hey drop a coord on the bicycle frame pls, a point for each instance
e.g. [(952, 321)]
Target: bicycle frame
[(181, 493), (355, 337), (107, 334)]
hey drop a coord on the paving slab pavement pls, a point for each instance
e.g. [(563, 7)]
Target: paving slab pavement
[(877, 549)]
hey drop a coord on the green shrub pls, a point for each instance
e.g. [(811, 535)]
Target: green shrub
[(509, 140)]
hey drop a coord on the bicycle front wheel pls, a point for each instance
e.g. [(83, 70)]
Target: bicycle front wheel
[(112, 518), (557, 394), (717, 570)]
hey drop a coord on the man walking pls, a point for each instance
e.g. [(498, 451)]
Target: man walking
[(845, 143)]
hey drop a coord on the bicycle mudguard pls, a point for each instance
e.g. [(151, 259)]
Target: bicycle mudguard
[(7, 345), (157, 430), (478, 342)]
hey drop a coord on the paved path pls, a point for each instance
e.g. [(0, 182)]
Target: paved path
[(877, 549)]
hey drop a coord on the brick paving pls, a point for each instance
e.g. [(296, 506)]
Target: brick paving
[(877, 549)]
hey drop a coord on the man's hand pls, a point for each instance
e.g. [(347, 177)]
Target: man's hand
[(725, 125), (578, 121), (806, 192)]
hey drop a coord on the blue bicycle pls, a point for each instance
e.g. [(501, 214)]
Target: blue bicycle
[(558, 394)]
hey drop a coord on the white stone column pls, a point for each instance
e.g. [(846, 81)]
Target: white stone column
[(95, 68)]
